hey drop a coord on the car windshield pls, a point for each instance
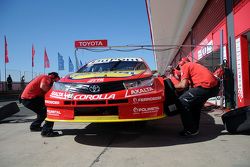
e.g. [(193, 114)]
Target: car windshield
[(113, 66)]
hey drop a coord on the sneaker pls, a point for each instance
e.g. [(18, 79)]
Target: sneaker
[(35, 129), (50, 133), (186, 133)]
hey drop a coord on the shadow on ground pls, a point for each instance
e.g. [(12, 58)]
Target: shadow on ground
[(16, 120), (21, 117), (163, 132)]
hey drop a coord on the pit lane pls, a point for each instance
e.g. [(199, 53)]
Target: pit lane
[(121, 144)]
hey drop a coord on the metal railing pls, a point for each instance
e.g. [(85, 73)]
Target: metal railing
[(16, 86), (17, 75)]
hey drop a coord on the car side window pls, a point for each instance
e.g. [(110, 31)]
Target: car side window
[(140, 66)]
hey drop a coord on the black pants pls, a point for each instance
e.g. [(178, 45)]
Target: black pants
[(190, 104), (37, 105)]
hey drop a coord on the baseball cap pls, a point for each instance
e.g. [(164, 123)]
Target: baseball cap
[(183, 61), (54, 74)]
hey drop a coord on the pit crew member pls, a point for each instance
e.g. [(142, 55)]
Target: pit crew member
[(203, 85), (33, 98)]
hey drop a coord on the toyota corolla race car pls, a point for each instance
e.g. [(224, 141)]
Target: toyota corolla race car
[(107, 90)]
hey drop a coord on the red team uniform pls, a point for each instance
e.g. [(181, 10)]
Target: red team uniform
[(33, 99), (203, 85)]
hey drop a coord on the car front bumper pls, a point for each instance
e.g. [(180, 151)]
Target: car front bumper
[(121, 106)]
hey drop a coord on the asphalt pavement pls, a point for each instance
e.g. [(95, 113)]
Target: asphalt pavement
[(9, 95), (154, 144)]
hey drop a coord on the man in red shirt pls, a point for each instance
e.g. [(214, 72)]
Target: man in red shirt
[(33, 99), (203, 85), (175, 76)]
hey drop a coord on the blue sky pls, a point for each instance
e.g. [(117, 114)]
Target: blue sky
[(56, 24)]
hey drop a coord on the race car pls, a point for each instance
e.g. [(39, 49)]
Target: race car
[(107, 90)]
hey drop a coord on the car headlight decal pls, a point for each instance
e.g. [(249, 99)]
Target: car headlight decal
[(69, 86), (138, 83), (59, 86)]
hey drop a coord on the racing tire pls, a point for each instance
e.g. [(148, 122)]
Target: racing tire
[(168, 83), (170, 107), (8, 110), (237, 121)]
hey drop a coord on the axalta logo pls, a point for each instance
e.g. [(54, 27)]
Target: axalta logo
[(51, 102), (146, 99), (94, 97), (61, 95), (53, 112), (141, 90), (146, 109)]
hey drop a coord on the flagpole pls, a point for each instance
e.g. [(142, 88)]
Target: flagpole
[(44, 61), (5, 75), (5, 71), (6, 59), (32, 59), (75, 58), (43, 65)]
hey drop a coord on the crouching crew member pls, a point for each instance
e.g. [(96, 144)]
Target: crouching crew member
[(33, 99), (175, 76), (203, 85)]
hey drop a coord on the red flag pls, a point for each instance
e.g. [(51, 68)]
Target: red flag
[(6, 50), (46, 60), (33, 55)]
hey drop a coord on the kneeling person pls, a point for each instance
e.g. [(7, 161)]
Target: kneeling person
[(33, 99), (203, 85)]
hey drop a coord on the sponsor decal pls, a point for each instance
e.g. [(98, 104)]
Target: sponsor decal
[(94, 88), (94, 97), (103, 74), (95, 80), (141, 111), (139, 91), (144, 110), (146, 99), (51, 102), (115, 59), (65, 95), (239, 69), (53, 112), (206, 49), (61, 95)]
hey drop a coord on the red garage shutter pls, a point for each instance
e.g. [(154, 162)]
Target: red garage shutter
[(213, 13), (235, 2), (186, 49)]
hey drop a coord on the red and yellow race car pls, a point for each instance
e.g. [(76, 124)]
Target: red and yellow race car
[(107, 90)]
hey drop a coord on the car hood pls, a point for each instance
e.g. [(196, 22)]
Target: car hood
[(107, 76)]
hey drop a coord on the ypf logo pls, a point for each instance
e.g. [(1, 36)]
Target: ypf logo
[(94, 88)]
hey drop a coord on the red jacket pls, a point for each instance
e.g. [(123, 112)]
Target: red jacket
[(198, 75), (33, 90)]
